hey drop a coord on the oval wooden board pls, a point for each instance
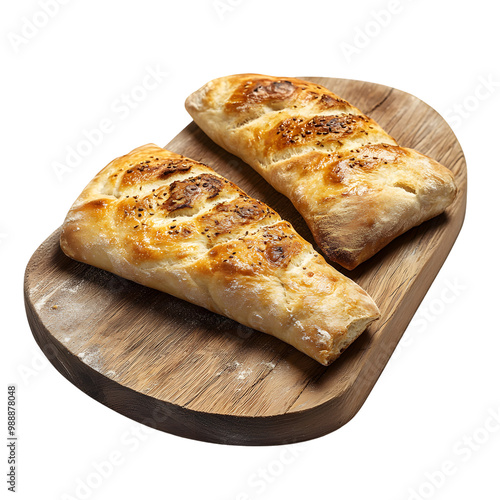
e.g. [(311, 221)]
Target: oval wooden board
[(187, 371)]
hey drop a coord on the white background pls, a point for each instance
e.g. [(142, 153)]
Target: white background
[(433, 406)]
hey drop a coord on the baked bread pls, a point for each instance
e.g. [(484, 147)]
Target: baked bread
[(355, 187), (171, 223)]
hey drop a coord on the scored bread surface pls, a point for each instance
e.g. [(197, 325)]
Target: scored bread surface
[(174, 224), (355, 187)]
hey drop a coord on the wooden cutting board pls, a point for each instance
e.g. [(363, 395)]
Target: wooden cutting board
[(184, 370)]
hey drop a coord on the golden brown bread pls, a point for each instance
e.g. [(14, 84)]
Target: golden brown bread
[(355, 187), (174, 224)]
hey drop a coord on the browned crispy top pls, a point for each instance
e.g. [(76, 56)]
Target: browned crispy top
[(188, 192), (264, 252), (251, 90), (155, 168), (267, 119), (165, 204), (336, 165), (174, 224), (319, 130)]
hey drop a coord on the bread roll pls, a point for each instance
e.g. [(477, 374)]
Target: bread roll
[(355, 187), (171, 223)]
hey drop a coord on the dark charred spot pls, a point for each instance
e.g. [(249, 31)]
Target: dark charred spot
[(249, 212), (280, 88), (155, 169), (172, 167), (300, 131), (278, 247), (329, 100), (228, 216), (184, 194), (275, 253), (261, 90)]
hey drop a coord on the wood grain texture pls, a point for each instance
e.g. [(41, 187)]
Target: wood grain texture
[(184, 370)]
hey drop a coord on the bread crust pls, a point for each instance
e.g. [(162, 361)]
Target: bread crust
[(173, 224), (356, 188)]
